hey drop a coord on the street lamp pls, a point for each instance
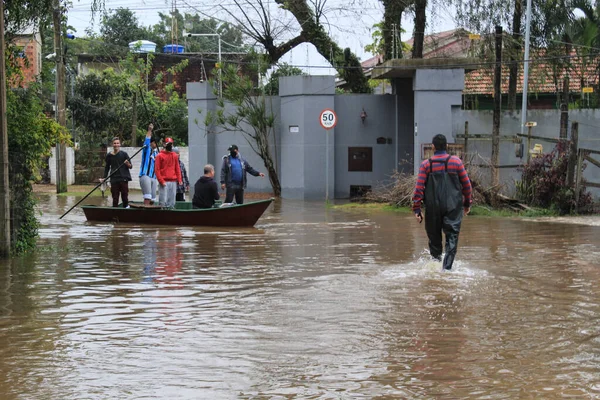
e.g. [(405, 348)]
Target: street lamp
[(186, 34)]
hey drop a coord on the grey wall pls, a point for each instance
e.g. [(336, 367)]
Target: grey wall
[(352, 132), (208, 145), (437, 92), (405, 120), (306, 154), (548, 123), (313, 162)]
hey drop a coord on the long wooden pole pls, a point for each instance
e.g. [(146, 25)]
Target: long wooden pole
[(4, 183), (98, 185), (497, 105)]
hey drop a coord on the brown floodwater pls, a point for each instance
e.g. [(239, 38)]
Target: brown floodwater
[(312, 303)]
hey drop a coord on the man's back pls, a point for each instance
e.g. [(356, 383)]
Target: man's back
[(205, 192)]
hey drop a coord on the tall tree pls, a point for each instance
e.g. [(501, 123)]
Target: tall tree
[(419, 28), (120, 27), (252, 116), (256, 19), (392, 21)]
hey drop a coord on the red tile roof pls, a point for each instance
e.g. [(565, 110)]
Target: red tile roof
[(543, 77)]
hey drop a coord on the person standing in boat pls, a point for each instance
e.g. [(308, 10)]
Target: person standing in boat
[(233, 175), (181, 189), (118, 161), (168, 174), (205, 189), (148, 181)]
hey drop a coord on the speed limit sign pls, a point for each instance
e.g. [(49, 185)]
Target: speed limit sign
[(328, 119)]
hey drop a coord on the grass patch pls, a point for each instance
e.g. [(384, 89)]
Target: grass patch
[(483, 211), (371, 206)]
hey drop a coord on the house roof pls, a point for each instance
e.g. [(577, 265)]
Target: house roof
[(543, 77), (454, 43)]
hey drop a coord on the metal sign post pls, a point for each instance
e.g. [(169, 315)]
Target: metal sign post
[(328, 120)]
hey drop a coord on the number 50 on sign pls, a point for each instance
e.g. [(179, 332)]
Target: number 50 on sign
[(328, 119)]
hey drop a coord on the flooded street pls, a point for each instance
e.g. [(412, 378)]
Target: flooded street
[(311, 303)]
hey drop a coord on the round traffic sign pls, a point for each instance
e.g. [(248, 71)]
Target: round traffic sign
[(328, 119)]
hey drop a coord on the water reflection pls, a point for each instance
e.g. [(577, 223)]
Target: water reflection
[(313, 303)]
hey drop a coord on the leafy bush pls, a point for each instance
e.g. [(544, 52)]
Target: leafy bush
[(544, 183), (31, 136)]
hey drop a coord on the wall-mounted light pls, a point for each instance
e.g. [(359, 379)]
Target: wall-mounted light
[(363, 115)]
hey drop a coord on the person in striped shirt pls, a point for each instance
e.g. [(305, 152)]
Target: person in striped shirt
[(148, 181), (445, 188)]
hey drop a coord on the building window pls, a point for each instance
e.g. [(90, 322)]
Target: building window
[(360, 159)]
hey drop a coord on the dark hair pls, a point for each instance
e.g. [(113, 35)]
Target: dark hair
[(116, 138), (152, 139), (439, 142)]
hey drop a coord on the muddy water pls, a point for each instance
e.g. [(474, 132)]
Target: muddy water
[(312, 303)]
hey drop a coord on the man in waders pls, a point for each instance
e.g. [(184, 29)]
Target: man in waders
[(444, 186)]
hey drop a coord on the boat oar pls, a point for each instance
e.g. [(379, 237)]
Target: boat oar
[(98, 185)]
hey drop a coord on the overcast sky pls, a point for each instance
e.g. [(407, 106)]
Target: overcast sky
[(349, 22)]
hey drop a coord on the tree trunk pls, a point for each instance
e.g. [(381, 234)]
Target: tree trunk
[(4, 182), (134, 119), (419, 30), (60, 103), (497, 104), (392, 15), (346, 63), (515, 52), (265, 153)]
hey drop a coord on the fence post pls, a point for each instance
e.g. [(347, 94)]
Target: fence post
[(579, 179), (529, 142), (572, 164), (466, 159)]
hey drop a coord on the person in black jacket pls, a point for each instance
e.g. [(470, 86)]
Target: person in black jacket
[(119, 181), (233, 175), (205, 189)]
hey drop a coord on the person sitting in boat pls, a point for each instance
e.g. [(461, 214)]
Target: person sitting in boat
[(181, 189), (168, 174), (117, 168), (205, 189), (148, 181), (233, 175)]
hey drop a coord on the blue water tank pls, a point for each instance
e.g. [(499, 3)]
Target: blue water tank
[(173, 48)]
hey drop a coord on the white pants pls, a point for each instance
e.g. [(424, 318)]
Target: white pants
[(148, 186), (167, 194)]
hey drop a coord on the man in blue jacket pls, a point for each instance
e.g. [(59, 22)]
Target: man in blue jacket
[(233, 175)]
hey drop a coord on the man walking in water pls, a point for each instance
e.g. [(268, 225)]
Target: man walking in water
[(445, 187)]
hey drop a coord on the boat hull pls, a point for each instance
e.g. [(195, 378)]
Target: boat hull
[(235, 215)]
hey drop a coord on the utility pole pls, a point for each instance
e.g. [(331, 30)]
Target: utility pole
[(4, 184), (61, 151), (186, 34), (134, 120), (497, 105), (526, 67)]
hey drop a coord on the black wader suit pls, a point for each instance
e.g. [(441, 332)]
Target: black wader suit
[(443, 211)]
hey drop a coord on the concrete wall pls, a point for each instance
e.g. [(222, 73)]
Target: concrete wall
[(312, 162), (352, 132), (70, 166), (548, 123), (308, 156), (437, 92)]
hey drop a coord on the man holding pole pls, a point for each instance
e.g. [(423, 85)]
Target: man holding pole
[(148, 181), (117, 167)]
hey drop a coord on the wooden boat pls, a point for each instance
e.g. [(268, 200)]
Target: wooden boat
[(183, 215)]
